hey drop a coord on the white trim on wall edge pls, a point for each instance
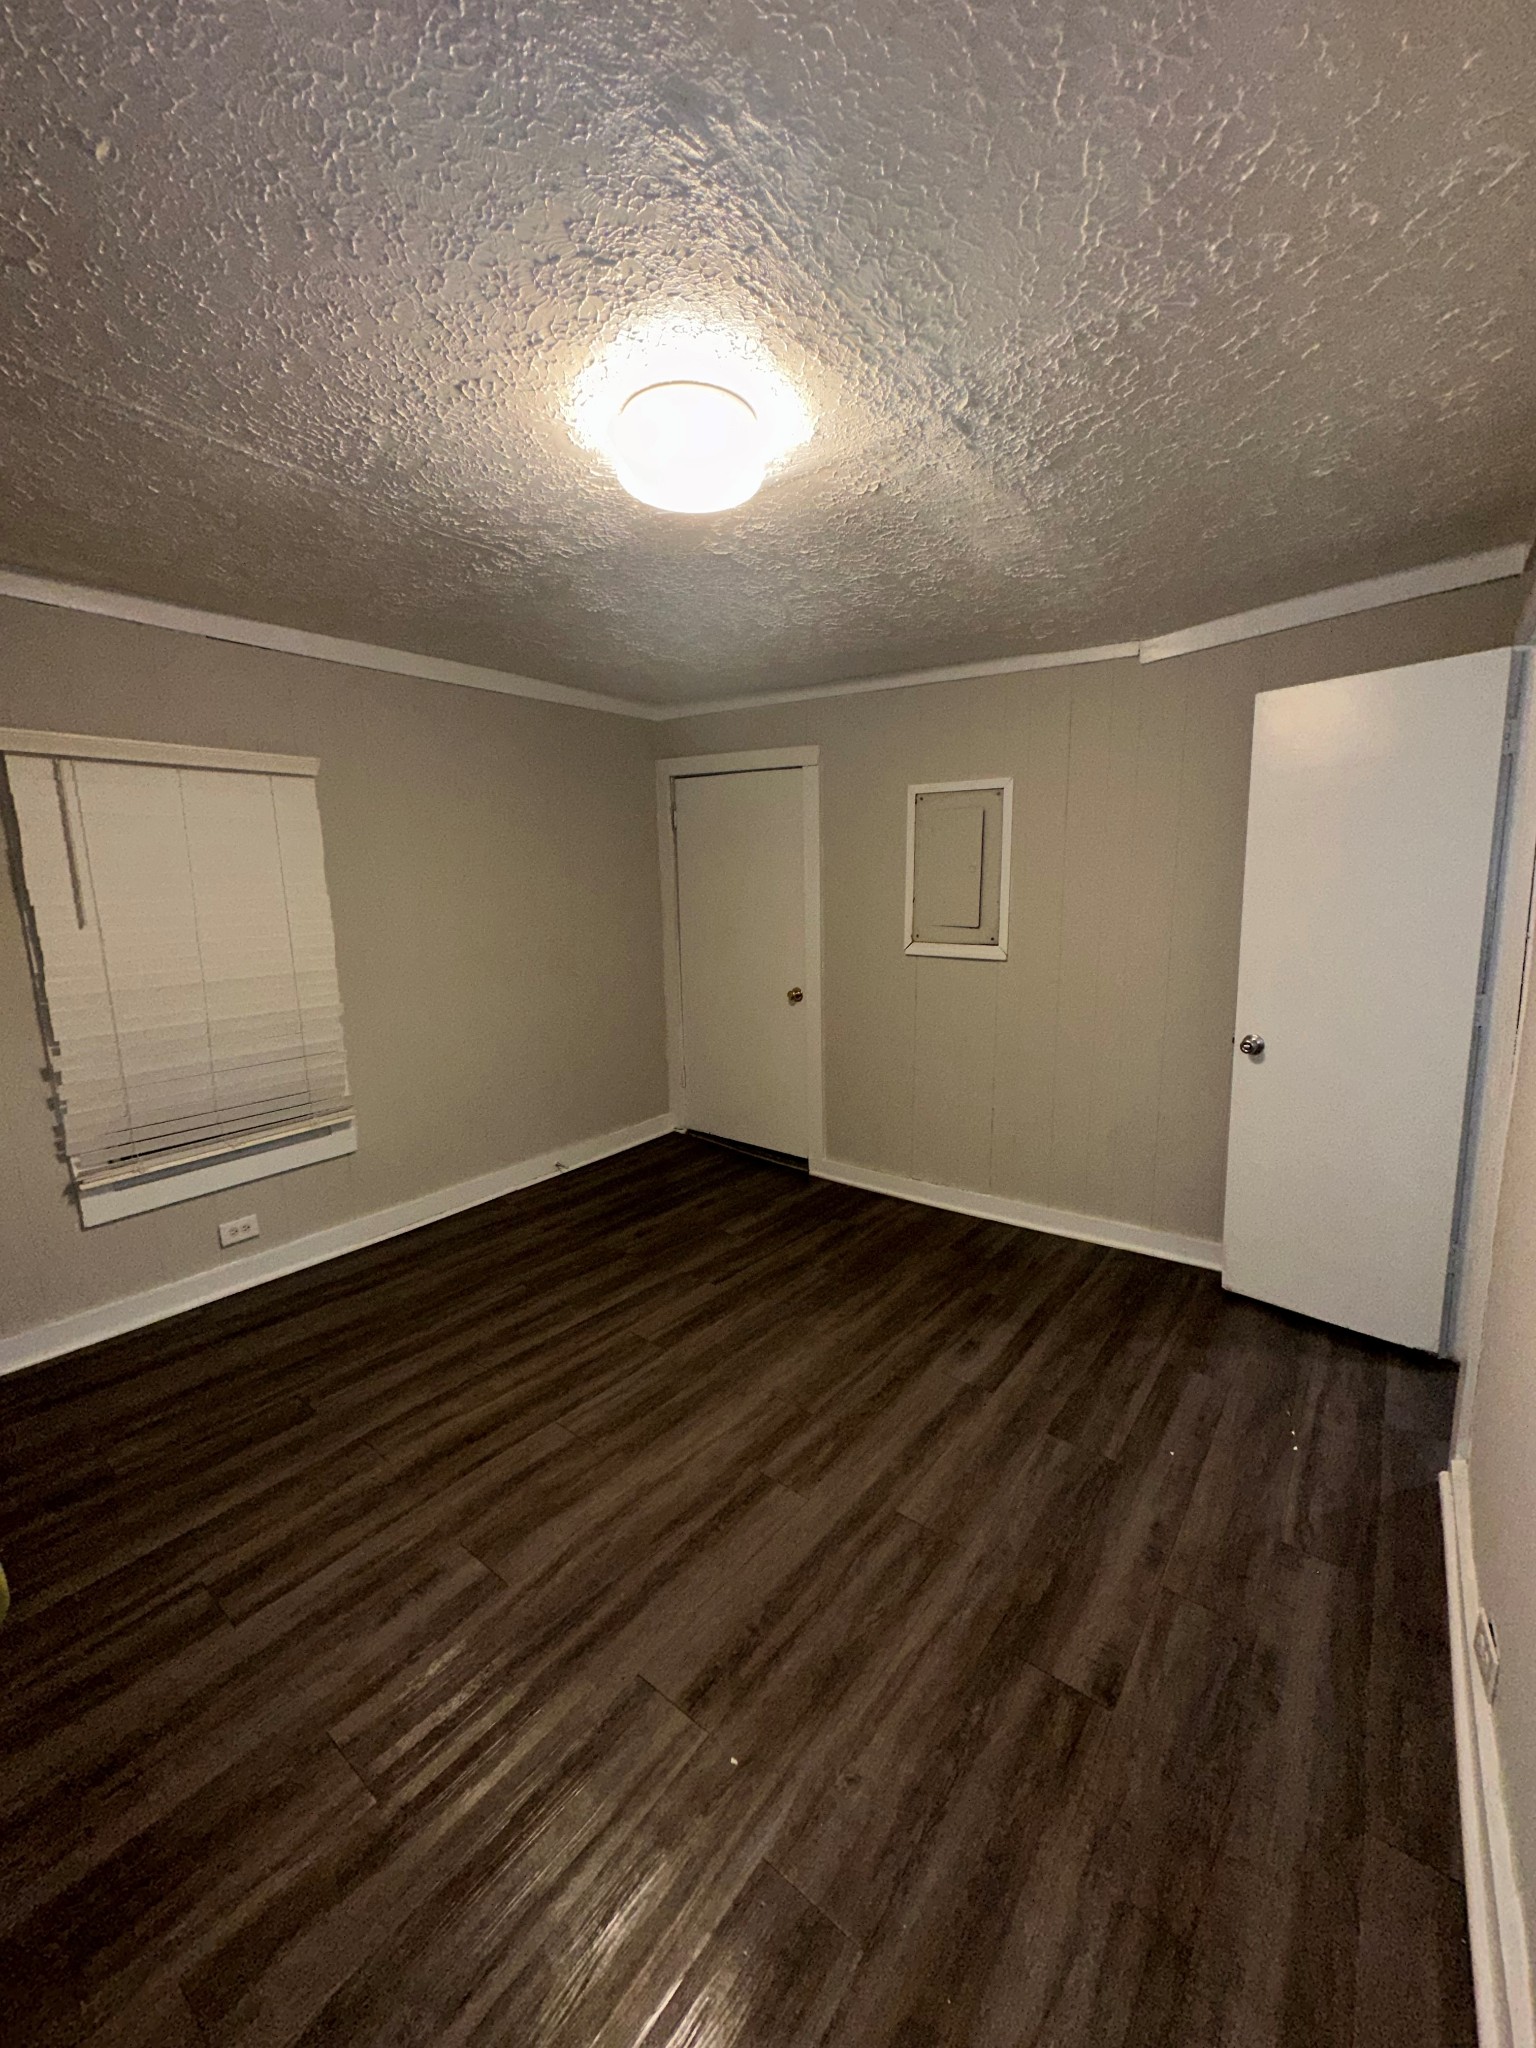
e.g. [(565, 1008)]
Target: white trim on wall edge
[(1491, 566), (1125, 1237), (398, 661), (236, 1170), (909, 679), (155, 1304), (1495, 1919), (79, 746)]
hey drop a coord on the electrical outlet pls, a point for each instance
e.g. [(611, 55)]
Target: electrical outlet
[(237, 1230), (1485, 1648)]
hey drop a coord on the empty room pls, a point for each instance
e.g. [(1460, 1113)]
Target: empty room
[(767, 1155)]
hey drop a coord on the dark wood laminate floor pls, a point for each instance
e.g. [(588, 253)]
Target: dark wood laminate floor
[(690, 1605)]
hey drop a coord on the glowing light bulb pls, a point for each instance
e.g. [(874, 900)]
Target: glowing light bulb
[(688, 447)]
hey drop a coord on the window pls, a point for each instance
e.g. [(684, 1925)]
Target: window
[(179, 929), (958, 837)]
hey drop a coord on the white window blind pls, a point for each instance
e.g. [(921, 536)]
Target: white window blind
[(185, 970)]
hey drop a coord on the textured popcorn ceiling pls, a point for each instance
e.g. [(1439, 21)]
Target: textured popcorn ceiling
[(1111, 318)]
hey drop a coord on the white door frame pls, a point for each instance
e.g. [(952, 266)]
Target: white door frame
[(808, 759), (1503, 999)]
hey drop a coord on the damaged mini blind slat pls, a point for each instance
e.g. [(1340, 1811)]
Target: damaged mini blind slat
[(182, 951)]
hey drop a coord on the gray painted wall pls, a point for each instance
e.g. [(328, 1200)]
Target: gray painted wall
[(492, 866), (492, 869), (1089, 1071)]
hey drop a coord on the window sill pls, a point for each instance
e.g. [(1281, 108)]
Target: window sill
[(182, 1184), (925, 949)]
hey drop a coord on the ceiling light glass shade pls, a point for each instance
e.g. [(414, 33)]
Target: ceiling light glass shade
[(686, 447)]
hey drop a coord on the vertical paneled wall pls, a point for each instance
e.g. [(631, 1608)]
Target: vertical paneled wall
[(1088, 1071)]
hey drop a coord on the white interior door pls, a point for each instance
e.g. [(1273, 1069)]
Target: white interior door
[(741, 945), (1370, 827)]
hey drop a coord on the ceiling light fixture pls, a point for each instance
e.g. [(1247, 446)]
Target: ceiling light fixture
[(688, 447), (692, 414)]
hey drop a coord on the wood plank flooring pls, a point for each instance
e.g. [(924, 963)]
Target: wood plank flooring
[(689, 1605)]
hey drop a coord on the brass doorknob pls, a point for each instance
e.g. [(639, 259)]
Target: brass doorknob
[(796, 995)]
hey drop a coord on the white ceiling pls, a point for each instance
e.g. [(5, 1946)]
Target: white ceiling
[(1111, 318)]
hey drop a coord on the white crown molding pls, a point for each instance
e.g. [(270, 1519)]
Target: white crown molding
[(397, 661), (960, 672), (173, 1297), (1492, 566)]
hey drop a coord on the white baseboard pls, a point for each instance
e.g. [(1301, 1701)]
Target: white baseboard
[(154, 1304), (1127, 1237), (1495, 1919)]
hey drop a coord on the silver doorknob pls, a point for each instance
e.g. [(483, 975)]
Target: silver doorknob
[(795, 995), (1250, 1045)]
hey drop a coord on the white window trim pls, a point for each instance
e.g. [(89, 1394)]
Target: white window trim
[(76, 746), (261, 1157), (924, 948), (181, 1184)]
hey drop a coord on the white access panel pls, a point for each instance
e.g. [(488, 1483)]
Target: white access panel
[(1370, 828), (741, 944)]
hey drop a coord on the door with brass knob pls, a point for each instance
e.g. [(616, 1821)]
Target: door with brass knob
[(745, 1013), (1371, 808)]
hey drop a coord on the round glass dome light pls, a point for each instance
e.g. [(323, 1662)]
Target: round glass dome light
[(686, 447)]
